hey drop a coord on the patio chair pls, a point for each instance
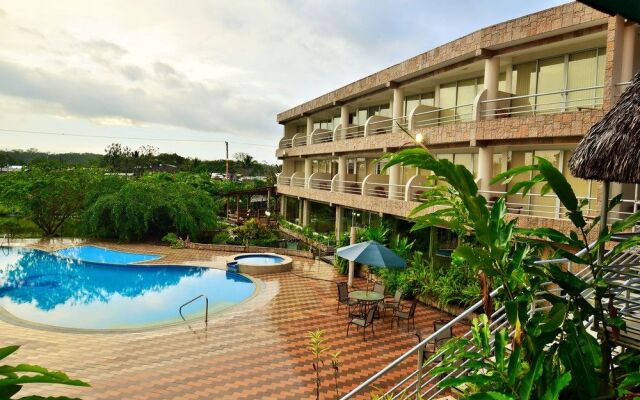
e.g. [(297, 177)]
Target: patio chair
[(343, 297), (364, 322), (378, 288), (408, 315), (393, 304), (433, 346)]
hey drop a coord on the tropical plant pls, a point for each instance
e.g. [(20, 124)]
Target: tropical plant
[(552, 352), (318, 348), (379, 233), (13, 378)]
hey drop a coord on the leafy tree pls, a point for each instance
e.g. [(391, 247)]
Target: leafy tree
[(46, 195), (151, 207)]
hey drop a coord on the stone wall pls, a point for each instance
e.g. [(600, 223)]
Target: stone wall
[(230, 248)]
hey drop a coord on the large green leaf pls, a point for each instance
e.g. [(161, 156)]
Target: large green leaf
[(579, 357), (567, 281), (556, 386), (526, 386), (559, 184), (554, 318), (490, 396), (5, 351)]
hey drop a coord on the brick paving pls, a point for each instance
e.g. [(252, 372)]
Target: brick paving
[(256, 350)]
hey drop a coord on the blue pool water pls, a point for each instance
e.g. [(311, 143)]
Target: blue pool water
[(258, 259), (95, 254), (41, 287)]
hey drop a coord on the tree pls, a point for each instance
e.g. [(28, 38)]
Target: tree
[(246, 163)]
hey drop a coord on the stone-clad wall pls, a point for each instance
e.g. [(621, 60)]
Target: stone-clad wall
[(529, 27)]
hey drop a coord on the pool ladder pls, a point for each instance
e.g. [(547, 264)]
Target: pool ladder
[(206, 309)]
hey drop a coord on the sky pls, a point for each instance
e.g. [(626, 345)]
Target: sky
[(185, 76)]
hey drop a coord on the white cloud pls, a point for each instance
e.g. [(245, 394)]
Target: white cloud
[(223, 67)]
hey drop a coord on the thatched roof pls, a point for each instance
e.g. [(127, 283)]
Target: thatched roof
[(610, 151)]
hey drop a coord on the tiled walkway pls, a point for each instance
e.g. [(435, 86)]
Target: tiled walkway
[(256, 350)]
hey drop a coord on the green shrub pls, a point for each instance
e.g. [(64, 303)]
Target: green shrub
[(174, 241)]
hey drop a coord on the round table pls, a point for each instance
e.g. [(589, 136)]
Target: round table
[(368, 296), (366, 299)]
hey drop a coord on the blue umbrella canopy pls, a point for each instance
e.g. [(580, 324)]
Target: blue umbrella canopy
[(371, 253)]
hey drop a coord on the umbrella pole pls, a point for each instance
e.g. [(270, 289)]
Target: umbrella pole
[(352, 264)]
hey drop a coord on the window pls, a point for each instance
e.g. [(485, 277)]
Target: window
[(326, 124), (351, 166), (566, 83), (411, 102), (456, 99)]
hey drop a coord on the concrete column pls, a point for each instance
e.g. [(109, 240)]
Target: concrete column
[(508, 84), (300, 207), (305, 212), (485, 164), (307, 172), (342, 172), (395, 191), (398, 108), (283, 206), (436, 96), (612, 70), (309, 129), (352, 265), (344, 120), (338, 230), (491, 78), (628, 48)]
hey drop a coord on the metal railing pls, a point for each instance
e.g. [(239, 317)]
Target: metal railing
[(322, 137), (284, 180), (536, 104), (286, 143), (385, 126), (420, 380), (299, 141), (443, 116), (298, 182), (320, 184), (350, 132), (206, 307)]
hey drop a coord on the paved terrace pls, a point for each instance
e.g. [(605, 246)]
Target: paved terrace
[(256, 350)]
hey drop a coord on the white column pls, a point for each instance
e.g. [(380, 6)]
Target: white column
[(398, 107), (338, 230), (352, 265), (307, 172), (508, 84), (305, 212), (342, 172), (628, 48), (491, 77), (395, 191), (283, 206), (485, 166), (344, 120), (309, 129)]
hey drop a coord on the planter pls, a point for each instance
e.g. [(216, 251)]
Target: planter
[(231, 248), (313, 243)]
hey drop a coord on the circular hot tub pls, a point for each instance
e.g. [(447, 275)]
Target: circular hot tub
[(261, 263)]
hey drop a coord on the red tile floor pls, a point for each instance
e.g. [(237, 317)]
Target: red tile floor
[(255, 350)]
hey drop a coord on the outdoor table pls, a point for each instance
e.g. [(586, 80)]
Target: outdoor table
[(366, 299)]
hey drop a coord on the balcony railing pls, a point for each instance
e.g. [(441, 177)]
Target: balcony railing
[(543, 103), (505, 106), (531, 204)]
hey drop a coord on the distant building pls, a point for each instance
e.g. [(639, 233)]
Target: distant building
[(11, 168)]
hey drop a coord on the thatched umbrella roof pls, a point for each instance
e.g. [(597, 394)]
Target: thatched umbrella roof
[(610, 151)]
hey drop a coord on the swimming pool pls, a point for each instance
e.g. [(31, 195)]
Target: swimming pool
[(43, 288), (258, 259), (101, 255)]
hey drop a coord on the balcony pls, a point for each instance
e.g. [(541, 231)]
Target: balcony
[(506, 105)]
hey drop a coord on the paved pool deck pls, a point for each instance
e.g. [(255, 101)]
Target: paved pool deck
[(256, 350)]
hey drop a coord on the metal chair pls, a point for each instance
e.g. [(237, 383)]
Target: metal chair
[(378, 288), (393, 304), (409, 315), (433, 346), (343, 297), (364, 322)]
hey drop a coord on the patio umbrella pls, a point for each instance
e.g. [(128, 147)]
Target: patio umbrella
[(373, 254), (610, 150)]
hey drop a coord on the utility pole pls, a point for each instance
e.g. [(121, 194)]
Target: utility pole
[(226, 145)]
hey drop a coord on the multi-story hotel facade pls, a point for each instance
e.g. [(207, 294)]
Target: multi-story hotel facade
[(491, 100)]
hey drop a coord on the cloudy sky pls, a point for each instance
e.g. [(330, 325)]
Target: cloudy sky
[(199, 72)]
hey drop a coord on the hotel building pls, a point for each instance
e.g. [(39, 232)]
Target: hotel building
[(491, 100)]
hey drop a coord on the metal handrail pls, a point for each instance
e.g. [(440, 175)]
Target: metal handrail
[(206, 310)]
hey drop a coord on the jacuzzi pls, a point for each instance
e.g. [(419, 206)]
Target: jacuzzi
[(261, 263)]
